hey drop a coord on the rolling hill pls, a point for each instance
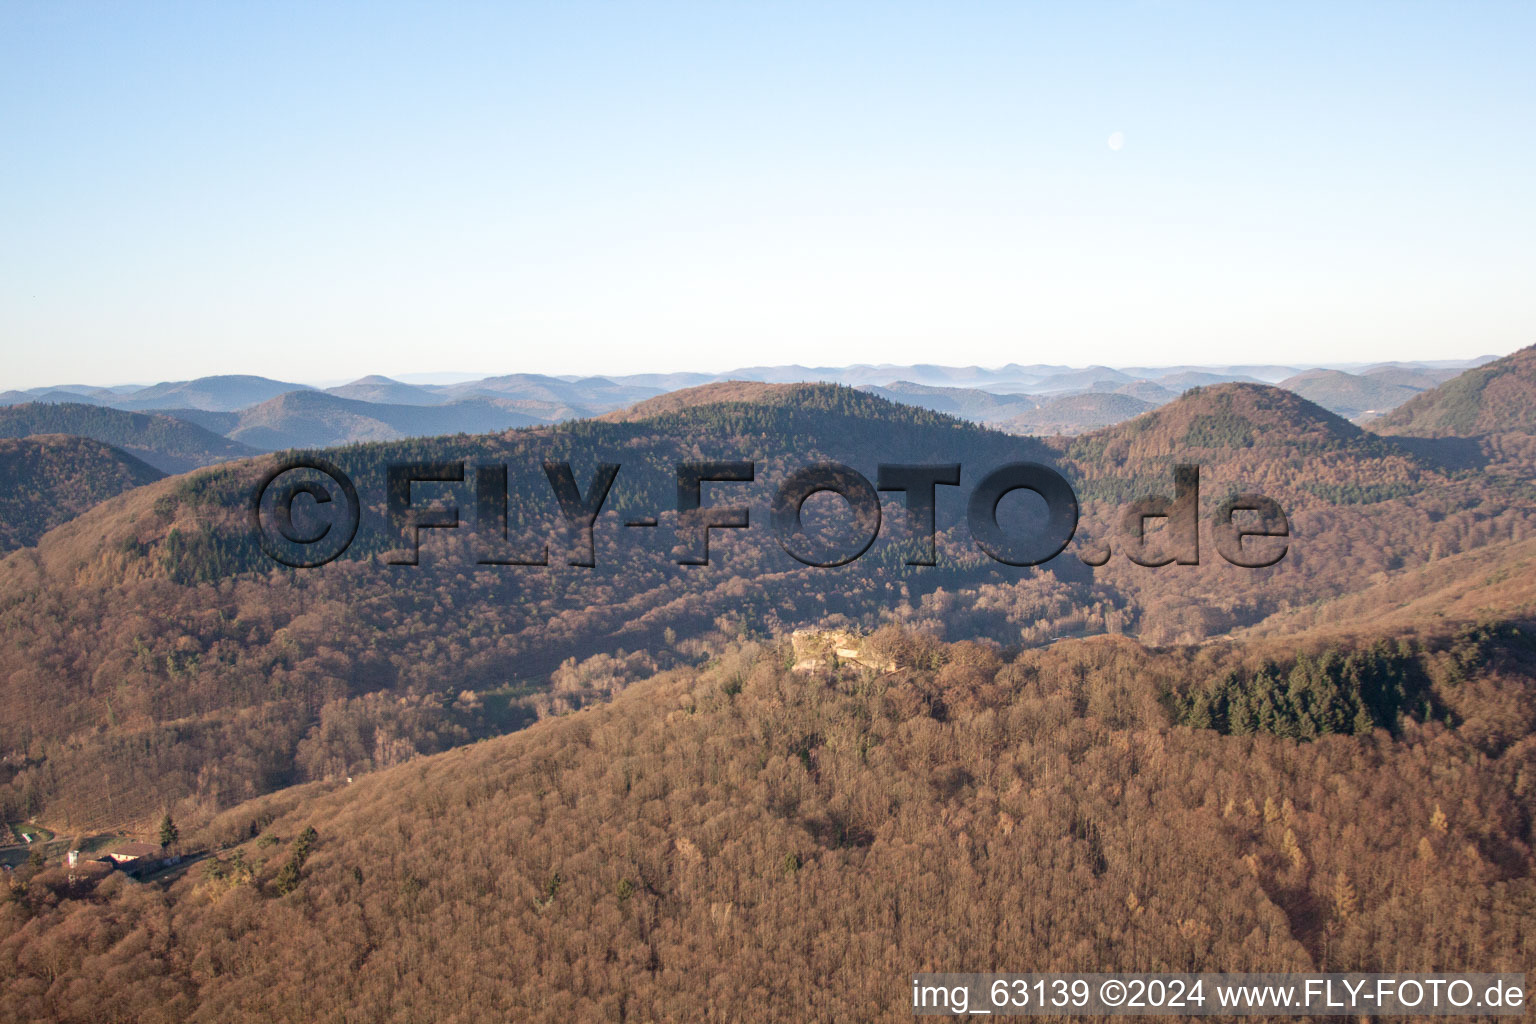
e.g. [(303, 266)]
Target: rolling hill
[(288, 643), (1355, 397), (1074, 414), (225, 393), (280, 645), (733, 391), (49, 479), (966, 403), (169, 444), (375, 388), (314, 419), (1189, 752), (554, 398), (1194, 378), (1089, 378), (1228, 416), (49, 396), (1423, 378), (1147, 391), (1357, 505), (1496, 397)]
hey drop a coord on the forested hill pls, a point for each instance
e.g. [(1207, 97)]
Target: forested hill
[(1228, 416), (200, 530), (1494, 580), (713, 394), (1494, 398), (739, 841), (314, 419), (1360, 507), (165, 442), (49, 479), (1249, 435), (212, 675)]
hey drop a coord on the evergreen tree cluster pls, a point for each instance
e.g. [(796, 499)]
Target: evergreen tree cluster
[(1332, 693)]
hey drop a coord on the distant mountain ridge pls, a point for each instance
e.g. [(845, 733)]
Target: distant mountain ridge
[(314, 419), (220, 393), (267, 414), (1351, 396), (232, 392), (375, 388), (966, 403), (170, 444), (1074, 414)]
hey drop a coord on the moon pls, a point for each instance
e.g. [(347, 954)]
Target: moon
[(1117, 141)]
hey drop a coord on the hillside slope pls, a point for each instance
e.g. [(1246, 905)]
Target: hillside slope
[(742, 842), (702, 395), (1074, 414), (1488, 583), (210, 665), (169, 444), (1496, 397), (376, 388), (1357, 504), (51, 478), (1352, 396), (213, 675), (221, 393), (966, 403), (315, 419)]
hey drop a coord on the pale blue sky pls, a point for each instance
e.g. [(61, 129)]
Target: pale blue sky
[(318, 191)]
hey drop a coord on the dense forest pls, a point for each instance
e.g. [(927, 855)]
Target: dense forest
[(210, 667), (1496, 397), (51, 478), (739, 841), (169, 444), (207, 697), (459, 790)]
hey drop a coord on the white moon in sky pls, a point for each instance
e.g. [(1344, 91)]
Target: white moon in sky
[(1117, 141)]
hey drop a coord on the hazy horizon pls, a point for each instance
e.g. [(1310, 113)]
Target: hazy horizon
[(446, 377)]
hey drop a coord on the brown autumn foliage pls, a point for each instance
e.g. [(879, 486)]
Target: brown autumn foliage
[(48, 479), (742, 842), (1495, 397), (1325, 765), (151, 661)]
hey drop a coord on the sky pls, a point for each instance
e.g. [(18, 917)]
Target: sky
[(320, 191)]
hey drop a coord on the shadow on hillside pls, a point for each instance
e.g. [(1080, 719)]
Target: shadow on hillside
[(1446, 453)]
